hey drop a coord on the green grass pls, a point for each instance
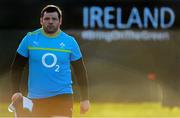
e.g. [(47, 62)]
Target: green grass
[(120, 110)]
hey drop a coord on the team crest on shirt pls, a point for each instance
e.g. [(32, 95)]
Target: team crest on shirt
[(62, 45), (35, 43)]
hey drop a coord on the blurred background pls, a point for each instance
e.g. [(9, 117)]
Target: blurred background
[(131, 47)]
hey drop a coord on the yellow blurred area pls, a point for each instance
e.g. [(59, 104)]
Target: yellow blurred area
[(129, 110), (118, 110)]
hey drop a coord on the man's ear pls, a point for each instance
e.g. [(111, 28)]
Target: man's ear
[(41, 21), (60, 21)]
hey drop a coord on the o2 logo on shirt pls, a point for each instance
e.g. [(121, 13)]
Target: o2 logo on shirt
[(54, 63)]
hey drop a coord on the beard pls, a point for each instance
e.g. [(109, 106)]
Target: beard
[(50, 29)]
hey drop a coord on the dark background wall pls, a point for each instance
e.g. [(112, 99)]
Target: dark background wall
[(22, 14)]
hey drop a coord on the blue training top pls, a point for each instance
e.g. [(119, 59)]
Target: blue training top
[(49, 62)]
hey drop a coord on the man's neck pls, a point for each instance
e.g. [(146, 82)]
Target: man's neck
[(51, 34)]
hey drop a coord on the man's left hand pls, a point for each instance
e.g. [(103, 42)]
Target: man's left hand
[(84, 106)]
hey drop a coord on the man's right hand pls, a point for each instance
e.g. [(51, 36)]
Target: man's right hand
[(16, 96)]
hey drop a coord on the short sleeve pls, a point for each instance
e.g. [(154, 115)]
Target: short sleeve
[(23, 47), (76, 52)]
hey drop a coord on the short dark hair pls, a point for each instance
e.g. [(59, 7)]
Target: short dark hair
[(51, 8)]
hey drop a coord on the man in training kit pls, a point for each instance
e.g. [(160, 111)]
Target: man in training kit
[(50, 53)]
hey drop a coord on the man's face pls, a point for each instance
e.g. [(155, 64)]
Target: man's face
[(50, 22)]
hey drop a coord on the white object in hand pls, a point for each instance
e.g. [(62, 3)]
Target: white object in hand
[(27, 103), (11, 108)]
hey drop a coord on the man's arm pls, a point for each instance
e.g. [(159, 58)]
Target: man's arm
[(81, 77), (17, 67), (82, 80)]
